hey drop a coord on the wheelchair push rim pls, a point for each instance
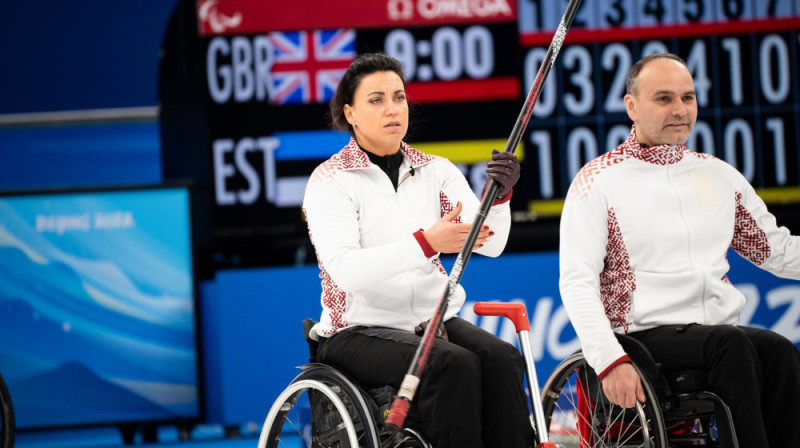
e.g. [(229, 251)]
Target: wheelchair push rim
[(278, 414), (340, 416), (578, 415)]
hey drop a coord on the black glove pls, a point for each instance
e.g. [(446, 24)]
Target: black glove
[(504, 169)]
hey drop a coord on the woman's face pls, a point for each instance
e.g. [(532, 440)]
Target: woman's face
[(379, 112)]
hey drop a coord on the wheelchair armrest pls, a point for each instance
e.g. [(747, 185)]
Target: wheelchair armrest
[(312, 344), (640, 355)]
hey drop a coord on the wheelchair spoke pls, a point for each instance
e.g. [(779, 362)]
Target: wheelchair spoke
[(295, 428), (609, 424), (629, 432), (583, 417), (613, 418)]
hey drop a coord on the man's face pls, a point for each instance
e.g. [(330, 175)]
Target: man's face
[(664, 109)]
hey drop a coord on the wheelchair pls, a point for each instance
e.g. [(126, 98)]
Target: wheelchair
[(322, 407), (678, 410), (6, 417)]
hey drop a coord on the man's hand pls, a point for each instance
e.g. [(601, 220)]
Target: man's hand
[(623, 386), (448, 237)]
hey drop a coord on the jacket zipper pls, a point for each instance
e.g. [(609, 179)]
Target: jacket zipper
[(682, 215)]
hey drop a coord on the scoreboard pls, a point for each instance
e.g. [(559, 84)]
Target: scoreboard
[(743, 55), (267, 70)]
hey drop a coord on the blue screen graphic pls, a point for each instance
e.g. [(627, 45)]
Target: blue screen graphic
[(97, 318)]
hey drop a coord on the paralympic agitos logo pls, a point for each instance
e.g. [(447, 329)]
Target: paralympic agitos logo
[(217, 21)]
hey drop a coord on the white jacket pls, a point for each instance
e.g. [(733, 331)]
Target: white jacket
[(373, 270), (644, 239)]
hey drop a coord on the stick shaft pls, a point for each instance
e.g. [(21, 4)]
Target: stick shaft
[(405, 395)]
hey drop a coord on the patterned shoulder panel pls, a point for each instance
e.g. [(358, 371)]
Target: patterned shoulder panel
[(699, 155), (415, 157), (349, 157), (588, 174), (353, 157), (323, 172)]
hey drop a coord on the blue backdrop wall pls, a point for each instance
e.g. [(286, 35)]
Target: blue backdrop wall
[(73, 56)]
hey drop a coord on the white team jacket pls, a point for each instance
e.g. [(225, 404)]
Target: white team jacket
[(373, 270), (644, 238)]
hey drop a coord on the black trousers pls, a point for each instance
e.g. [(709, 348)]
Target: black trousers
[(755, 371), (471, 390)]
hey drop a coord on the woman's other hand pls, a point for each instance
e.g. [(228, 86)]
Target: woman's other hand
[(448, 237)]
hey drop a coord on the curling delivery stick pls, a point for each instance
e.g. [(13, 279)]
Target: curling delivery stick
[(405, 395)]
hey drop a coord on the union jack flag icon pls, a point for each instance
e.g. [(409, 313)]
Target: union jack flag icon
[(309, 64)]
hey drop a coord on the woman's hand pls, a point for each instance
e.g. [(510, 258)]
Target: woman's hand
[(448, 237), (504, 169)]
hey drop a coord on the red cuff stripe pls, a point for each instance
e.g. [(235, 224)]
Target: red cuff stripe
[(505, 199), (423, 243), (622, 359)]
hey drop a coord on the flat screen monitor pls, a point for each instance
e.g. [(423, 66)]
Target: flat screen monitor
[(97, 306)]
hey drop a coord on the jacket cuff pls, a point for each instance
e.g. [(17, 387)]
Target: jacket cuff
[(505, 199), (423, 243), (623, 359)]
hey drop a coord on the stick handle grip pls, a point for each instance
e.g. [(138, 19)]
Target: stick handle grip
[(402, 402), (398, 413)]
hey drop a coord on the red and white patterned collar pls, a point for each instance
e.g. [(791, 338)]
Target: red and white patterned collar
[(353, 157), (657, 155)]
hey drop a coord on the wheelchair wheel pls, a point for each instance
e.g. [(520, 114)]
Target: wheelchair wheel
[(6, 417), (320, 408), (577, 413)]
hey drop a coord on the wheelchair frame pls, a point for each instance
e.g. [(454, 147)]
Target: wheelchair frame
[(570, 412), (6, 417)]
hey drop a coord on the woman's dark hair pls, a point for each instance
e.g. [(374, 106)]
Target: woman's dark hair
[(362, 66), (631, 86)]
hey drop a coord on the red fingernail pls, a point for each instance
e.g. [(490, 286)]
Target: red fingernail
[(491, 233)]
